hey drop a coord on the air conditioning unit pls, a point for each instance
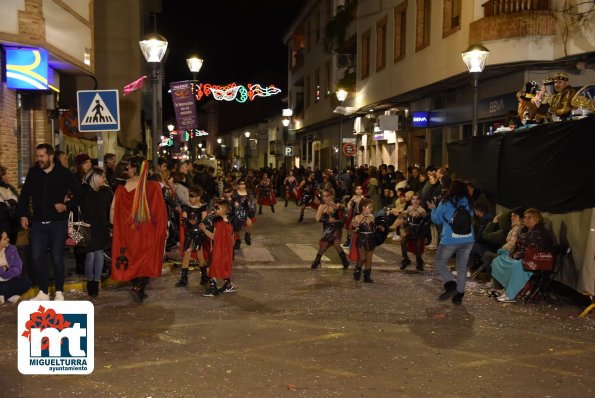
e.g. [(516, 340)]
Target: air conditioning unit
[(345, 60)]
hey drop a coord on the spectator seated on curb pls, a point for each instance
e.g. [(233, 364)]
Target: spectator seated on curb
[(501, 233), (481, 219), (12, 282), (507, 268)]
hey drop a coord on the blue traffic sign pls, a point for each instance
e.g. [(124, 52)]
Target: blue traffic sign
[(98, 110), (288, 151)]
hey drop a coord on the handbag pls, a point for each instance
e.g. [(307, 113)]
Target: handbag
[(79, 232), (536, 260)]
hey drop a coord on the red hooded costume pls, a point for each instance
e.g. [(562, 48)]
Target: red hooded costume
[(137, 250), (222, 254)]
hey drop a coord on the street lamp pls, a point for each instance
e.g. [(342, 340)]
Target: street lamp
[(286, 121), (219, 141), (194, 64), (341, 96), (247, 147), (475, 58), (153, 47)]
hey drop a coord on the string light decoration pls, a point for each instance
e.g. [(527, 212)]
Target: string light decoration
[(234, 91)]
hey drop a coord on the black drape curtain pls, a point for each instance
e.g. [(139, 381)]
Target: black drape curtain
[(550, 167)]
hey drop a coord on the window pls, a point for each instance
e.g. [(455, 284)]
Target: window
[(317, 26), (381, 44), (317, 85), (328, 11), (308, 35), (327, 79), (400, 32), (423, 21), (365, 54), (451, 19), (307, 91)]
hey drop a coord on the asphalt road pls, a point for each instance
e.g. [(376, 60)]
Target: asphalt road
[(291, 332)]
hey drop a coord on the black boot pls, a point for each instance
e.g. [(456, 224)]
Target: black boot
[(212, 289), (458, 298), (420, 264), (273, 209), (183, 282), (316, 262), (344, 260), (95, 285), (367, 276), (347, 241), (204, 278), (405, 262), (237, 244), (286, 202), (357, 273), (259, 210), (90, 288), (247, 239), (450, 288)]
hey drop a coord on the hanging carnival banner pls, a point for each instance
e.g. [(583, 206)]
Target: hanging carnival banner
[(234, 91)]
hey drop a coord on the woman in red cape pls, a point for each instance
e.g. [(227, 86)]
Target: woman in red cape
[(140, 229)]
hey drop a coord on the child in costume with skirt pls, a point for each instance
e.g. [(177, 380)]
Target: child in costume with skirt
[(308, 195), (291, 188), (237, 215), (330, 214), (245, 200), (195, 240), (363, 241), (352, 211), (414, 226), (266, 194), (222, 253)]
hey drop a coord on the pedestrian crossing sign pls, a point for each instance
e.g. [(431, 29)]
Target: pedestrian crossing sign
[(98, 110)]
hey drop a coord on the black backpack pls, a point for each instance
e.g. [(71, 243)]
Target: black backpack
[(461, 221)]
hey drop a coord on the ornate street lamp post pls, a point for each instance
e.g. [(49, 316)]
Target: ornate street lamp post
[(475, 58), (341, 96), (153, 47)]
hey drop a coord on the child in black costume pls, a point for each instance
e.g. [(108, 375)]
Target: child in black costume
[(363, 240), (330, 214), (194, 238)]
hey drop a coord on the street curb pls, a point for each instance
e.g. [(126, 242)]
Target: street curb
[(81, 286)]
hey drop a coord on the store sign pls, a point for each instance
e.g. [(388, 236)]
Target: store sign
[(27, 69), (420, 119)]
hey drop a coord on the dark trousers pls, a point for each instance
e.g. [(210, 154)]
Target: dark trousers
[(15, 286), (50, 235)]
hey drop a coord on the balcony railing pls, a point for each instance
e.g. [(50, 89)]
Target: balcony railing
[(499, 7)]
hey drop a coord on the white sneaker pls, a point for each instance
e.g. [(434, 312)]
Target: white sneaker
[(59, 296), (454, 273), (505, 299), (1, 299), (41, 296), (395, 236), (14, 299)]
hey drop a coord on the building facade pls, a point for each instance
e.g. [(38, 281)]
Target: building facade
[(401, 64)]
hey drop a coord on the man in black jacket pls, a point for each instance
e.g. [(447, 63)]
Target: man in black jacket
[(51, 191)]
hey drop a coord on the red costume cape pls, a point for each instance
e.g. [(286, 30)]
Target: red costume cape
[(138, 251), (222, 255), (353, 252)]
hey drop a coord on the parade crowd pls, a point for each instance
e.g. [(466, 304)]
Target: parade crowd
[(133, 215)]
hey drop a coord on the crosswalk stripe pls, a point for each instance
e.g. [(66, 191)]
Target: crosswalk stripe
[(305, 251), (255, 253)]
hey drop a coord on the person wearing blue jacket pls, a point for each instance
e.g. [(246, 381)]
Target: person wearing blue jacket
[(451, 242)]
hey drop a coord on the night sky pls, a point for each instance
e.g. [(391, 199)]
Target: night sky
[(236, 39)]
